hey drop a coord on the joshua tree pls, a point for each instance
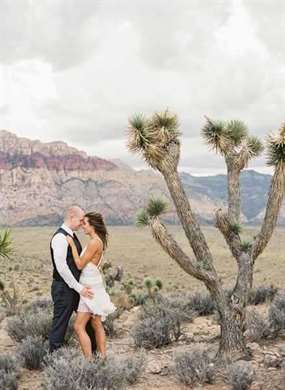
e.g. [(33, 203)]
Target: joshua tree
[(157, 140)]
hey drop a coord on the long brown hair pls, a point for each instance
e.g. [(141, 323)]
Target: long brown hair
[(96, 220)]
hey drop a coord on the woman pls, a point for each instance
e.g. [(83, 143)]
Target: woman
[(98, 307)]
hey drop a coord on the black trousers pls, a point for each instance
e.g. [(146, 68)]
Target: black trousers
[(65, 301)]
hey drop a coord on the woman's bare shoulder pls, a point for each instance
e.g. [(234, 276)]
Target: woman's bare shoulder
[(95, 243)]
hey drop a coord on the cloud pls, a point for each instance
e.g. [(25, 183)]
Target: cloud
[(77, 71), (55, 31)]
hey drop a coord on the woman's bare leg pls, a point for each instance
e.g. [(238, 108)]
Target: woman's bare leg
[(99, 334), (80, 329)]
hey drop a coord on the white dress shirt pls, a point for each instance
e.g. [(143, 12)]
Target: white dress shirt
[(59, 246)]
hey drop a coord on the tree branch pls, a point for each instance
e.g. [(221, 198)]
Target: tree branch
[(171, 247), (191, 227), (274, 202), (232, 238)]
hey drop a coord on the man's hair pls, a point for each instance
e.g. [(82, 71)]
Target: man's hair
[(72, 211)]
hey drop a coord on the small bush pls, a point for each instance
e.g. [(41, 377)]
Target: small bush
[(35, 321), (39, 306), (32, 352), (154, 332), (276, 313), (261, 294), (9, 299), (181, 304), (241, 375), (109, 325), (133, 367), (255, 326), (203, 304), (30, 324), (66, 370), (158, 325), (194, 366), (9, 372)]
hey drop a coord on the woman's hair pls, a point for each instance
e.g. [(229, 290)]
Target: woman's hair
[(96, 220)]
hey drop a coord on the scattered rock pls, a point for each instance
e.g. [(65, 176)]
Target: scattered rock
[(154, 367), (272, 360)]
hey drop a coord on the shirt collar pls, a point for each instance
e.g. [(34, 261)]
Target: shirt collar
[(67, 229)]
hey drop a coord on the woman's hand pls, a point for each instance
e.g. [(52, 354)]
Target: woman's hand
[(69, 240)]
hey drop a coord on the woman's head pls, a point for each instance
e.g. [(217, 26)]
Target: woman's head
[(94, 222)]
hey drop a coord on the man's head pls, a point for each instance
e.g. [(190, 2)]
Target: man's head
[(73, 217)]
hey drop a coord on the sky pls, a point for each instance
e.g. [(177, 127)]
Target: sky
[(76, 71)]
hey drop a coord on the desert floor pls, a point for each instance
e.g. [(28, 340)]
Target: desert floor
[(141, 256)]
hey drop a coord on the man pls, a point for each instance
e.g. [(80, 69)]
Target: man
[(65, 287)]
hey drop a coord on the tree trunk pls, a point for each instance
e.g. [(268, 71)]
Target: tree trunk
[(188, 220), (274, 202), (231, 317), (233, 193), (244, 278), (232, 343)]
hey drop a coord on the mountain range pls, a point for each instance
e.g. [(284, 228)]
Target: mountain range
[(38, 181)]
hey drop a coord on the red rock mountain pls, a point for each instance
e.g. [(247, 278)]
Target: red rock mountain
[(39, 180)]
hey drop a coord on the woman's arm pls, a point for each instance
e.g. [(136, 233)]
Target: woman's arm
[(87, 256)]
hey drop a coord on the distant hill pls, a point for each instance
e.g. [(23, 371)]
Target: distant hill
[(39, 180)]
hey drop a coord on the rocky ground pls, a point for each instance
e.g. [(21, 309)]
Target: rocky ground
[(159, 374)]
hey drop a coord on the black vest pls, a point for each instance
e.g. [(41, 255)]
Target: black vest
[(69, 258)]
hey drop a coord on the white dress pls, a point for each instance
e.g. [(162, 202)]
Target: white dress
[(100, 303)]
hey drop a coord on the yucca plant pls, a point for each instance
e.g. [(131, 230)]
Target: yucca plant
[(157, 139), (5, 244)]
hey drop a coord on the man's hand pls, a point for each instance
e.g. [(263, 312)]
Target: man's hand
[(87, 292)]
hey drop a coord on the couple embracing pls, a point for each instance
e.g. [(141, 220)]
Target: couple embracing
[(77, 282)]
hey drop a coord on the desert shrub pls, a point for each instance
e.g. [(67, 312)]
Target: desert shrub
[(241, 375), (158, 325), (39, 305), (35, 321), (66, 370), (203, 304), (9, 372), (30, 324), (194, 366), (255, 326), (182, 305), (109, 323), (133, 367), (276, 313), (261, 294), (32, 352), (9, 299)]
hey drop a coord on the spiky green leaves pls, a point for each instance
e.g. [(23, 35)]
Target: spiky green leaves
[(255, 146), (155, 208), (151, 137), (142, 218), (222, 136), (5, 244), (138, 140), (215, 135), (251, 148), (231, 138), (276, 148), (236, 131), (236, 228)]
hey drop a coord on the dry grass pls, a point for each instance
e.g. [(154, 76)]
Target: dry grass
[(140, 256)]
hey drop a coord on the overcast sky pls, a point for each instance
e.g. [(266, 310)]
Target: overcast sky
[(77, 70)]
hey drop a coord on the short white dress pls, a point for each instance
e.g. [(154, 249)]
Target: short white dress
[(100, 303)]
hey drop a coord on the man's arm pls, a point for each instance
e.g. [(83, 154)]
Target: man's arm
[(59, 246)]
